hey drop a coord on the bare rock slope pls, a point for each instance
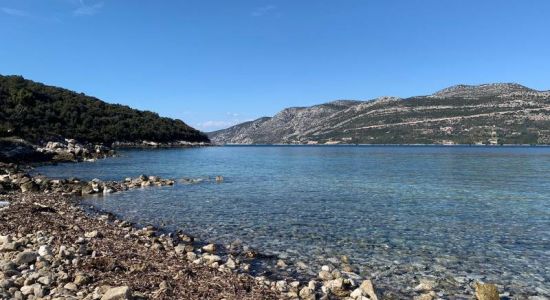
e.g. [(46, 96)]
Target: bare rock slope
[(502, 113)]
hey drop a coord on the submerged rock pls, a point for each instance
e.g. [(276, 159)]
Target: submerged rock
[(486, 291), (425, 285)]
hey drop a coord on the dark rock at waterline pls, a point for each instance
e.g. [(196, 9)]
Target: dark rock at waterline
[(17, 150)]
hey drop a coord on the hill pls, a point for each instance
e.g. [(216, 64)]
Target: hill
[(502, 113), (40, 113)]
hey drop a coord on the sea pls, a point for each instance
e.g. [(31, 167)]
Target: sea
[(452, 214)]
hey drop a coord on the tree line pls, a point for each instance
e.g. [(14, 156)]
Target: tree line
[(38, 113)]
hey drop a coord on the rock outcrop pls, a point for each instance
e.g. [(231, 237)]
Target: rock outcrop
[(462, 114)]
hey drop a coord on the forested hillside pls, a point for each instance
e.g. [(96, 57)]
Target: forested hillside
[(37, 112)]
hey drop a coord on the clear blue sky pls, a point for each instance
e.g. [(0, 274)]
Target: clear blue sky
[(214, 63)]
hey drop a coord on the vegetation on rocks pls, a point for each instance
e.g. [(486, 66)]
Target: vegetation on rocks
[(485, 114)]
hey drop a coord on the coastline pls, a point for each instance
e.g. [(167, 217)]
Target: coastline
[(385, 145), (61, 252), (32, 214), (53, 247)]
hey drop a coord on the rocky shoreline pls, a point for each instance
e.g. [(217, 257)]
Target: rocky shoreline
[(13, 149), (52, 248), (151, 144)]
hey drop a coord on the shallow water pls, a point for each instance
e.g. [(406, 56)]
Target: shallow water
[(400, 213)]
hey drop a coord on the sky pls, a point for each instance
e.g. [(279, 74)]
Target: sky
[(217, 63)]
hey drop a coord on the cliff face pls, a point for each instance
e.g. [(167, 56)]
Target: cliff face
[(489, 113)]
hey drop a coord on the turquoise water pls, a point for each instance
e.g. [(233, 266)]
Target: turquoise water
[(459, 214)]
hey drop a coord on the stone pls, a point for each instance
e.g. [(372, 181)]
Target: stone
[(29, 187), (210, 259), (44, 250), (336, 274), (231, 264), (425, 285), (191, 256), (82, 249), (281, 286), (211, 248), (325, 275), (27, 290), (356, 294), (368, 289), (7, 266), (38, 290), (45, 280), (31, 279), (345, 259), (486, 291), (183, 248), (301, 265), (348, 269), (180, 249), (18, 295), (281, 264), (81, 279), (87, 189), (64, 252), (118, 293), (91, 234), (26, 257), (4, 239), (336, 284), (70, 286), (307, 293), (426, 296), (9, 247)]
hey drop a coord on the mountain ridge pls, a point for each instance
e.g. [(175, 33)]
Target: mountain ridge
[(460, 114)]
